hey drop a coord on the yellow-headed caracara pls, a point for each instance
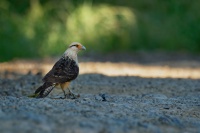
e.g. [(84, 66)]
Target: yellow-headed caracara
[(63, 72)]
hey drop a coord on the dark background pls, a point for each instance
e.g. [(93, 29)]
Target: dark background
[(40, 28)]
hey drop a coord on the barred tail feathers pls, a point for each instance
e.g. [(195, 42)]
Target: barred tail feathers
[(44, 90), (39, 89)]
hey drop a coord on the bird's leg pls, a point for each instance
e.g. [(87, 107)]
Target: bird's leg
[(64, 94), (70, 95), (61, 97), (74, 96)]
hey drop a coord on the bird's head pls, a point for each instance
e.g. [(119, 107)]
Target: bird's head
[(76, 47), (73, 49)]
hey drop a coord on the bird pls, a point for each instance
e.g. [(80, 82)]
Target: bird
[(65, 70)]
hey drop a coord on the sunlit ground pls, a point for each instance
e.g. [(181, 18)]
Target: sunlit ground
[(176, 69), (126, 69)]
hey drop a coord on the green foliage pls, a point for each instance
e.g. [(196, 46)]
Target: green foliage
[(33, 28), (101, 28)]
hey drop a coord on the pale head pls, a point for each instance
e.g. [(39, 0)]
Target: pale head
[(76, 47), (73, 49)]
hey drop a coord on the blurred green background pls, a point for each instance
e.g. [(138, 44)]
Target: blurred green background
[(39, 28)]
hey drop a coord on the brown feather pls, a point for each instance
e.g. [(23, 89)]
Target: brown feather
[(64, 70)]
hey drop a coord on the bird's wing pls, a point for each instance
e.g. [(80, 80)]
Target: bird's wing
[(64, 70)]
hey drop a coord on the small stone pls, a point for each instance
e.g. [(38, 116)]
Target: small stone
[(98, 98), (86, 99), (103, 97)]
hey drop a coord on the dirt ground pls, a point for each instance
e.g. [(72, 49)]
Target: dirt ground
[(133, 93)]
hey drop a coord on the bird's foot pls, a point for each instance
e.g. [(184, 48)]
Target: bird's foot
[(72, 95), (58, 97), (68, 96), (64, 97)]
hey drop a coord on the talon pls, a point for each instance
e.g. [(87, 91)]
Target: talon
[(58, 98), (74, 96), (62, 97)]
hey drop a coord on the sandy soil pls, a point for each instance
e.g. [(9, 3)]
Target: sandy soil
[(133, 93)]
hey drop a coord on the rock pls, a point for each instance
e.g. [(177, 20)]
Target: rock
[(169, 120), (101, 97)]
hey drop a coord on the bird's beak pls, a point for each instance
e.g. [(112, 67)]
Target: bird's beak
[(83, 48)]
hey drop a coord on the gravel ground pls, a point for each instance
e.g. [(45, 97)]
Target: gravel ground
[(108, 104)]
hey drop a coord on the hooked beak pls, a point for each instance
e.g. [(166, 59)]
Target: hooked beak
[(83, 48)]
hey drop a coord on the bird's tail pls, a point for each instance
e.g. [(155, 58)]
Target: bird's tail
[(43, 90)]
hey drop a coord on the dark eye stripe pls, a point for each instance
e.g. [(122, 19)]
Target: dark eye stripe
[(74, 45)]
